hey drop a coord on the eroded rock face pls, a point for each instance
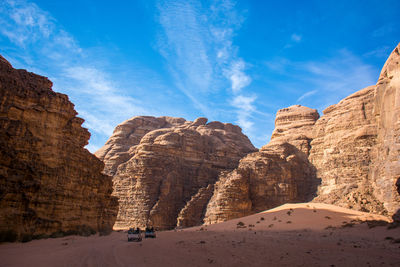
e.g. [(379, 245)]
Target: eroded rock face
[(279, 173), (341, 152), (127, 135), (356, 149), (385, 172), (164, 168), (295, 125), (48, 182)]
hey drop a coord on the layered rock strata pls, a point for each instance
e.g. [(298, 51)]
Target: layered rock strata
[(385, 172), (341, 152), (49, 184), (356, 149), (279, 173), (351, 154), (164, 168)]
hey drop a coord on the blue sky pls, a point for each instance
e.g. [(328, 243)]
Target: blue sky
[(231, 61)]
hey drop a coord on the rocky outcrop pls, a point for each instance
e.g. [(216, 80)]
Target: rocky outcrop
[(356, 149), (341, 152), (349, 157), (279, 173), (121, 145), (294, 125), (385, 172), (49, 184), (164, 168)]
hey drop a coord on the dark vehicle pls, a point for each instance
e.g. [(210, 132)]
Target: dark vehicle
[(134, 235), (149, 233)]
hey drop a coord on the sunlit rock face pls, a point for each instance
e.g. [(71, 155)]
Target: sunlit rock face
[(341, 152), (356, 149), (164, 168), (277, 174), (171, 172), (49, 184), (385, 171), (351, 155)]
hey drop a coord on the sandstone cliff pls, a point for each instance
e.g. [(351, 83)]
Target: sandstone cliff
[(385, 172), (349, 157), (279, 173), (356, 149), (164, 168), (49, 184), (341, 152)]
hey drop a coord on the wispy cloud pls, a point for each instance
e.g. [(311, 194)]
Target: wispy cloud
[(383, 30), (197, 42), (380, 52), (184, 45), (32, 23), (331, 79), (307, 94), (245, 107), (296, 37), (239, 79), (42, 43)]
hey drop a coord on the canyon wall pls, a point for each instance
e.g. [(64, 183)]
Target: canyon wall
[(349, 157), (164, 168), (277, 174), (169, 172), (385, 171), (356, 149), (49, 184)]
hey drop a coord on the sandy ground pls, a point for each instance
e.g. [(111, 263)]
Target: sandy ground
[(291, 235)]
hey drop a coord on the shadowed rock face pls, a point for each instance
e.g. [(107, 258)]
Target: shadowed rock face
[(164, 168), (357, 146), (279, 173), (48, 182)]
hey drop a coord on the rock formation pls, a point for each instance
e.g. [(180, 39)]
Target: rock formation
[(49, 184), (164, 168), (341, 152), (169, 172), (356, 149), (279, 173), (385, 172)]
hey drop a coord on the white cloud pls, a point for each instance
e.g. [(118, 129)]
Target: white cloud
[(108, 104), (332, 78), (307, 94), (184, 44), (296, 37), (42, 42), (244, 103), (197, 43), (245, 107), (238, 77), (380, 52), (27, 22), (383, 30)]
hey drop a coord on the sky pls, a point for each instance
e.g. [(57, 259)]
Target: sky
[(230, 61)]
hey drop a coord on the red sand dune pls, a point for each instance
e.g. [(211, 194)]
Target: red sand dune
[(306, 234)]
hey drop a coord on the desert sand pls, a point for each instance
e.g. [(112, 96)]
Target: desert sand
[(306, 234)]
